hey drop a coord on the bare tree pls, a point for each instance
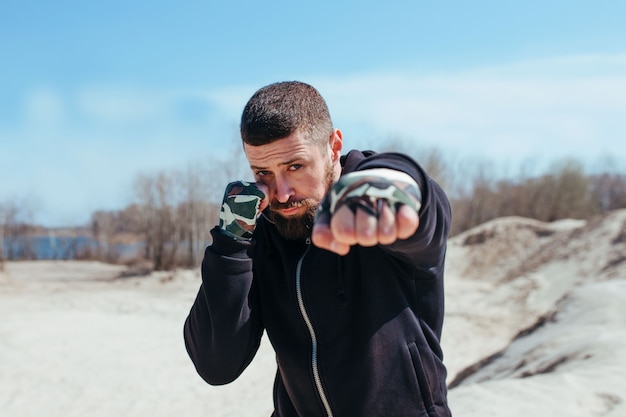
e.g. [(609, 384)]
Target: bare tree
[(609, 191), (201, 189), (2, 227), (15, 225), (473, 194), (105, 229), (564, 193), (160, 226), (202, 186), (174, 211)]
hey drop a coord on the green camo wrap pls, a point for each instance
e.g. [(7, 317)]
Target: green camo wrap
[(240, 209), (368, 190)]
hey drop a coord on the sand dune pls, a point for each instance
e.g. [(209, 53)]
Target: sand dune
[(535, 325), (536, 319)]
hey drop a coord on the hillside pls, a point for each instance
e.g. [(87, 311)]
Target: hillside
[(536, 318)]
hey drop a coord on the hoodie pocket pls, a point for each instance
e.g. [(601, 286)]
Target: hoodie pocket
[(426, 374)]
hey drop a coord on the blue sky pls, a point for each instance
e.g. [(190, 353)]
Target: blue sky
[(92, 93)]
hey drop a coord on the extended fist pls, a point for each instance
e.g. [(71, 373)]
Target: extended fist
[(243, 203), (377, 206)]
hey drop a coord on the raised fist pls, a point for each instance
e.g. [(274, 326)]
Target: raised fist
[(370, 207), (242, 204)]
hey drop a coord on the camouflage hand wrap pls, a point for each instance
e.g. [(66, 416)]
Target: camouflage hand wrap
[(240, 209), (369, 190)]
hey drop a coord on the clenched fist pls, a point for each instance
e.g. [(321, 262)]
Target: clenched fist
[(367, 208), (242, 204)]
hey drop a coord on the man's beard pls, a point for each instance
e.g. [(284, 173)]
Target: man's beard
[(299, 227)]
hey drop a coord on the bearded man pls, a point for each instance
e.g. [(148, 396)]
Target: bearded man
[(339, 258)]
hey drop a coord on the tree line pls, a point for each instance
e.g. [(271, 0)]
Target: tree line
[(479, 191), (172, 212)]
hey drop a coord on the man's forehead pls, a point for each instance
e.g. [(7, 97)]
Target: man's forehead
[(280, 152)]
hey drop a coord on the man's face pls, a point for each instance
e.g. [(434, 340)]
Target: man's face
[(297, 175)]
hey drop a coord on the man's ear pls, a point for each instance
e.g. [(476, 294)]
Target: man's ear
[(336, 144)]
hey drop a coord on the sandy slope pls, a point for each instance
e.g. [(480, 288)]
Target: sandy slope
[(535, 326), (573, 365), (536, 318)]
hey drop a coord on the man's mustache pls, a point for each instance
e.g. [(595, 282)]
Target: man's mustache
[(277, 205)]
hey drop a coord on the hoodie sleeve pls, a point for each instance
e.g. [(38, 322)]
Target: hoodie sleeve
[(426, 248), (223, 329)]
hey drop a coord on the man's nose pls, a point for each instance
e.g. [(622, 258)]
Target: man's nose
[(284, 190)]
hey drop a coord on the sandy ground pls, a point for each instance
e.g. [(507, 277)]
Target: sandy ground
[(75, 341), (535, 325)]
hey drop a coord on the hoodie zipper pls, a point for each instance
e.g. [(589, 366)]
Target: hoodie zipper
[(309, 325)]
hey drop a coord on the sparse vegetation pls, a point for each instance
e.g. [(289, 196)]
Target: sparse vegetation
[(172, 212), (15, 225)]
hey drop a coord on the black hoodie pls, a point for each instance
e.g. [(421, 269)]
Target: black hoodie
[(354, 335)]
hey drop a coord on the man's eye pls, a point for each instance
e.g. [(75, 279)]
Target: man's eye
[(262, 173), (295, 167)]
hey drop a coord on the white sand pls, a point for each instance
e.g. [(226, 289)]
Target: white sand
[(89, 347), (74, 341)]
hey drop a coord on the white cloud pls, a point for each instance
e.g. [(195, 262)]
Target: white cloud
[(570, 106), (121, 105)]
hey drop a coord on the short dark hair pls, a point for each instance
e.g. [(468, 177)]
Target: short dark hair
[(280, 109)]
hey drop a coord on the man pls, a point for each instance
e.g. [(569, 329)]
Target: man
[(339, 258)]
